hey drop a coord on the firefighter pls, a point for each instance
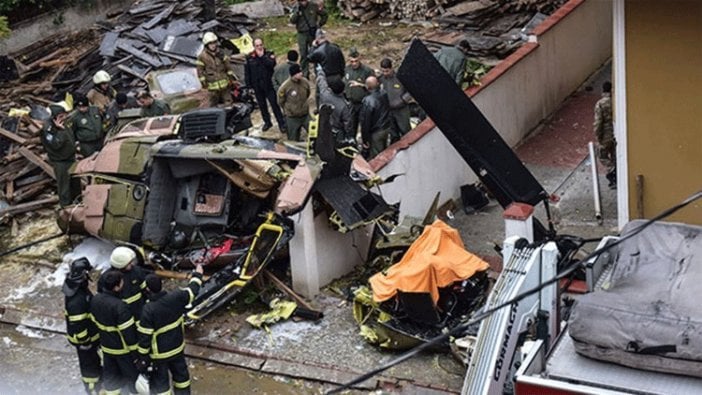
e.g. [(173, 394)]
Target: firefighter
[(160, 329), (80, 329), (118, 338), (101, 94), (215, 72), (124, 260)]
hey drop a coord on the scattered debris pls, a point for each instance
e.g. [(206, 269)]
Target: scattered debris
[(145, 37)]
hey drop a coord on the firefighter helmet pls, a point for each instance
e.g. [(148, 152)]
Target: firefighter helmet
[(77, 276), (121, 257), (209, 37), (101, 77)]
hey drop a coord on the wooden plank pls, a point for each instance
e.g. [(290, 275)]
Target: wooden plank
[(9, 190), (12, 136), (281, 286), (37, 160), (28, 191), (30, 206)]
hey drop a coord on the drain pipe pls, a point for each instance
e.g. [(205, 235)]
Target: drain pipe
[(595, 183)]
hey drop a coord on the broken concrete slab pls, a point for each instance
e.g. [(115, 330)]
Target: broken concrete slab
[(259, 9)]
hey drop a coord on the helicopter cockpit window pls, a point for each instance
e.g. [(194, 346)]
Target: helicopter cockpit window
[(136, 126), (161, 123), (179, 81)]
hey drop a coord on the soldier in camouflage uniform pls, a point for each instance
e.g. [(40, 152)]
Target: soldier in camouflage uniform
[(604, 130), (151, 107), (307, 16), (398, 99), (86, 126), (59, 145), (355, 77), (453, 60)]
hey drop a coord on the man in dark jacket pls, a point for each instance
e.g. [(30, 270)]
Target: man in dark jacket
[(86, 126), (282, 71), (329, 56), (259, 76), (355, 77), (374, 118), (124, 260), (121, 102), (161, 325), (341, 117), (80, 329), (307, 16), (398, 100), (59, 145), (118, 338)]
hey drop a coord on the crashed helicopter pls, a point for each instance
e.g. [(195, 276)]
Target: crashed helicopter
[(182, 189)]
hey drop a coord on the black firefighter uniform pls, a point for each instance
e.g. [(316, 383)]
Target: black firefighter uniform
[(161, 336), (118, 341), (82, 333)]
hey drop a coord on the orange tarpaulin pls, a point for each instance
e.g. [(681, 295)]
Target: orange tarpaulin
[(435, 260)]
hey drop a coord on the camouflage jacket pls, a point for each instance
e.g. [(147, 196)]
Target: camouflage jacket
[(214, 70), (307, 19), (604, 130), (87, 127)]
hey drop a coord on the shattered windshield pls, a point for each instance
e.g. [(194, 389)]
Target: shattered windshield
[(178, 81)]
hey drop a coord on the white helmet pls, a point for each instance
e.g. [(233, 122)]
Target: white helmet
[(100, 77), (142, 385), (209, 37), (121, 257)]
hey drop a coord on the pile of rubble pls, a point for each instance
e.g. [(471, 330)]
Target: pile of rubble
[(150, 35), (469, 13)]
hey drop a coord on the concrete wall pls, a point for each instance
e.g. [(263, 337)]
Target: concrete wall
[(320, 254), (515, 97), (74, 18), (664, 106)]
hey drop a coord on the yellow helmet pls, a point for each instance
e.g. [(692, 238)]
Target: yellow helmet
[(100, 77), (209, 37)]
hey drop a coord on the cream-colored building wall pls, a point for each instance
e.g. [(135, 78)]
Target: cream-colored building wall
[(664, 105)]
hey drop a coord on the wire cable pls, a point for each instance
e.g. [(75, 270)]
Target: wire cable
[(486, 313)]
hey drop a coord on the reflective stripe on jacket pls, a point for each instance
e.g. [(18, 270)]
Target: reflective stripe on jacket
[(80, 328), (114, 322), (161, 325), (214, 71)]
